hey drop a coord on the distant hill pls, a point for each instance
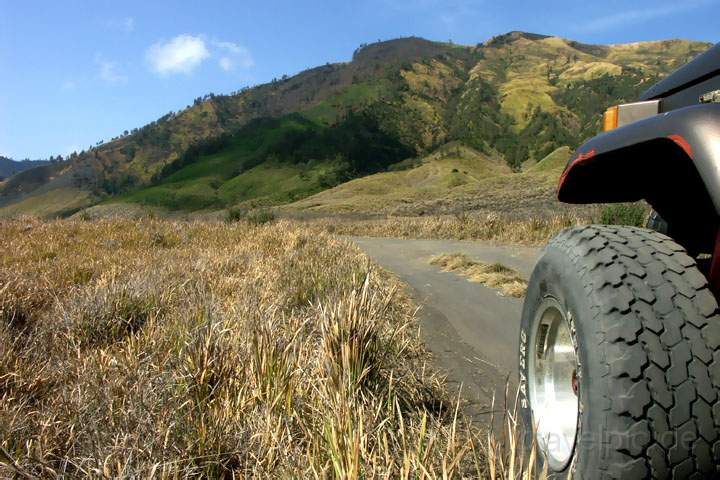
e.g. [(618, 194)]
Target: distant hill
[(515, 98), (9, 167)]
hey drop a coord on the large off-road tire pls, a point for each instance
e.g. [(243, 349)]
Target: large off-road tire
[(620, 358)]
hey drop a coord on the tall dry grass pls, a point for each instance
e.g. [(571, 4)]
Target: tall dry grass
[(157, 349), (493, 227)]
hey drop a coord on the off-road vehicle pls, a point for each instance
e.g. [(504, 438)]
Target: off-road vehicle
[(620, 336)]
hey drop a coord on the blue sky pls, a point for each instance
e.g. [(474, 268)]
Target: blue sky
[(75, 72)]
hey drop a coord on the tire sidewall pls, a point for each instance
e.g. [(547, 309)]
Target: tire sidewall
[(555, 276)]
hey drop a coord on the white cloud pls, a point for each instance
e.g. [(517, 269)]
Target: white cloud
[(233, 55), (630, 17), (226, 63), (184, 53), (110, 72), (228, 46), (181, 54)]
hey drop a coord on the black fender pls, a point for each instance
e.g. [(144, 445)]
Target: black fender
[(690, 134), (671, 160)]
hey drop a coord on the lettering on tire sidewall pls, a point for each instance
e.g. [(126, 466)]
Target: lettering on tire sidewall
[(524, 401)]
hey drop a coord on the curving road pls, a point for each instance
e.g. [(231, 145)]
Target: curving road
[(470, 329)]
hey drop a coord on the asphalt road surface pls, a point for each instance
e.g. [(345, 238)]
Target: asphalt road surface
[(470, 329)]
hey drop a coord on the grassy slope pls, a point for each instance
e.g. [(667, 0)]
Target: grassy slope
[(265, 184), (238, 173), (553, 164), (275, 161), (529, 72), (9, 167), (57, 202), (446, 169), (329, 110), (444, 177)]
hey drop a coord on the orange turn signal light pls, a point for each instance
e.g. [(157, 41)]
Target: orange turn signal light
[(610, 119)]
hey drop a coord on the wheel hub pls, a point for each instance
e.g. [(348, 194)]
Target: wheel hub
[(554, 384)]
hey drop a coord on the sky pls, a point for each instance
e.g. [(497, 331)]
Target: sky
[(76, 72)]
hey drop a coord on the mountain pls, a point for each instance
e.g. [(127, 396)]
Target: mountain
[(515, 99), (9, 167)]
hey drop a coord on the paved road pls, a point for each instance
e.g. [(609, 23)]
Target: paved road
[(470, 329)]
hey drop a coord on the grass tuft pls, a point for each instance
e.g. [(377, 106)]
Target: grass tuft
[(632, 214), (111, 310), (253, 217), (493, 275)]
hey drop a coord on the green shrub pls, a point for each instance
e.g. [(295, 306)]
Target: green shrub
[(106, 315), (255, 217), (234, 215), (632, 214), (260, 217)]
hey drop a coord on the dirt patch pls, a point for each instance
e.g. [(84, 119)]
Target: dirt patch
[(494, 275)]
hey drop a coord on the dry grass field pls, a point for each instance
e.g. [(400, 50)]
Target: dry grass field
[(161, 349), (465, 226)]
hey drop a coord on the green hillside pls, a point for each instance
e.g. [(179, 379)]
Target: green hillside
[(272, 161), (9, 167), (451, 179), (514, 99)]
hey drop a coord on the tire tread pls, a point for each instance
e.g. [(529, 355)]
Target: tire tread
[(660, 328)]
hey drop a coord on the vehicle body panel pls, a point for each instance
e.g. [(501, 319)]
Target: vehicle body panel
[(694, 130), (690, 96)]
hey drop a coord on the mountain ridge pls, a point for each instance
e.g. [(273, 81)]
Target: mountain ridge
[(10, 167), (517, 96)]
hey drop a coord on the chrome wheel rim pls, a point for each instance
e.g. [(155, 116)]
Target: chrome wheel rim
[(554, 385)]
